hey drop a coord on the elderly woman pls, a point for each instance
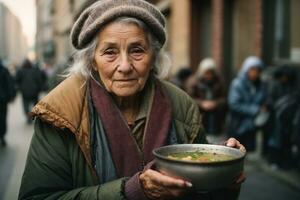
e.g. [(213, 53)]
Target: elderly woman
[(95, 132)]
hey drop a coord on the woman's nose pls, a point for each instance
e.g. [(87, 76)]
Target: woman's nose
[(125, 65)]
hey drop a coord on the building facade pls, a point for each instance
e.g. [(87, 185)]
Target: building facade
[(13, 44), (55, 19), (44, 42), (231, 30)]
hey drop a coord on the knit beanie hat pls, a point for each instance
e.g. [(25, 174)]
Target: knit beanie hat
[(102, 12)]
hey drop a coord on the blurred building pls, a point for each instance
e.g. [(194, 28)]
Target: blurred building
[(13, 44), (54, 22), (44, 37), (62, 24), (231, 30)]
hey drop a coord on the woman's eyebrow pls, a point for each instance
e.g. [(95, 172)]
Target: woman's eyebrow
[(104, 45), (138, 43)]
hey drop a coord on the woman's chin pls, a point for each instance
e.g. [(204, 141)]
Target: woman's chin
[(125, 91)]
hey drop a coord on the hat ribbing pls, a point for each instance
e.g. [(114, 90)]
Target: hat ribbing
[(104, 11)]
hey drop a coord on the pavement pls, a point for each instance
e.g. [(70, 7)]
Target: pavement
[(263, 182), (13, 156)]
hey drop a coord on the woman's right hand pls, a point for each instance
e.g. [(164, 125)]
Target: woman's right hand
[(159, 186)]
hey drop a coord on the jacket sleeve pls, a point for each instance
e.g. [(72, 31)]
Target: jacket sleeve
[(48, 170), (196, 125), (236, 104)]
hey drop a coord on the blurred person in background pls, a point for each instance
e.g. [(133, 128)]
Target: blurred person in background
[(7, 94), (95, 132), (44, 76), (30, 83), (284, 101), (55, 73), (247, 103), (210, 95), (186, 80)]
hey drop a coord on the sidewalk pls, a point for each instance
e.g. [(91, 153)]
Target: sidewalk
[(263, 182), (13, 156), (289, 177)]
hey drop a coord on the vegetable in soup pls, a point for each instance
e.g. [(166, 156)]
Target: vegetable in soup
[(204, 157)]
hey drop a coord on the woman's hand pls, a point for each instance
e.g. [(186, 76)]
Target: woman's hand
[(159, 186), (232, 142)]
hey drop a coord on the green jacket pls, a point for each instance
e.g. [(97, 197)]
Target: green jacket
[(59, 161)]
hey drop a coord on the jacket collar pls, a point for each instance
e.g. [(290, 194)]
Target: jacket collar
[(66, 107)]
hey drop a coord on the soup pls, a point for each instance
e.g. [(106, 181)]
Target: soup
[(203, 157)]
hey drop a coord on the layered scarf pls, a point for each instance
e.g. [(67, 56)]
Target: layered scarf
[(124, 152)]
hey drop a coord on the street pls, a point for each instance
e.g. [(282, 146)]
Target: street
[(13, 157), (260, 184)]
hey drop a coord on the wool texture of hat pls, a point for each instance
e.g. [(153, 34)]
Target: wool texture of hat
[(102, 12)]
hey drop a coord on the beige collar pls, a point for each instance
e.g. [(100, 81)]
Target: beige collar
[(66, 107)]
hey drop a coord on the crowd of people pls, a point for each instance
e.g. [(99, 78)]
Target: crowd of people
[(252, 104)]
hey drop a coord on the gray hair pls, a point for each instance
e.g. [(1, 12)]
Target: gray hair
[(84, 58)]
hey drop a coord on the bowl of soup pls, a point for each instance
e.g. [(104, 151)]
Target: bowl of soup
[(208, 167)]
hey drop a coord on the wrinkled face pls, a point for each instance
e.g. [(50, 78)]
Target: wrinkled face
[(253, 74), (123, 58)]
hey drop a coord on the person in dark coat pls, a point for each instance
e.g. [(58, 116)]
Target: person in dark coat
[(29, 81), (7, 93), (210, 95), (247, 101), (284, 101)]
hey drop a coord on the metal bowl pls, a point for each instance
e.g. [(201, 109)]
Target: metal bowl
[(203, 176)]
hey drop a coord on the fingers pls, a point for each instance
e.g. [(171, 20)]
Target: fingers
[(163, 180), (232, 142), (240, 179), (159, 186)]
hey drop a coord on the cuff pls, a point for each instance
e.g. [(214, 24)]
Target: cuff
[(133, 189), (150, 165)]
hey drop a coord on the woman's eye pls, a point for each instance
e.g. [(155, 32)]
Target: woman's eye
[(110, 52), (137, 51)]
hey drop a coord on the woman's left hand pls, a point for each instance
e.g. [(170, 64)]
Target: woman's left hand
[(232, 142)]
